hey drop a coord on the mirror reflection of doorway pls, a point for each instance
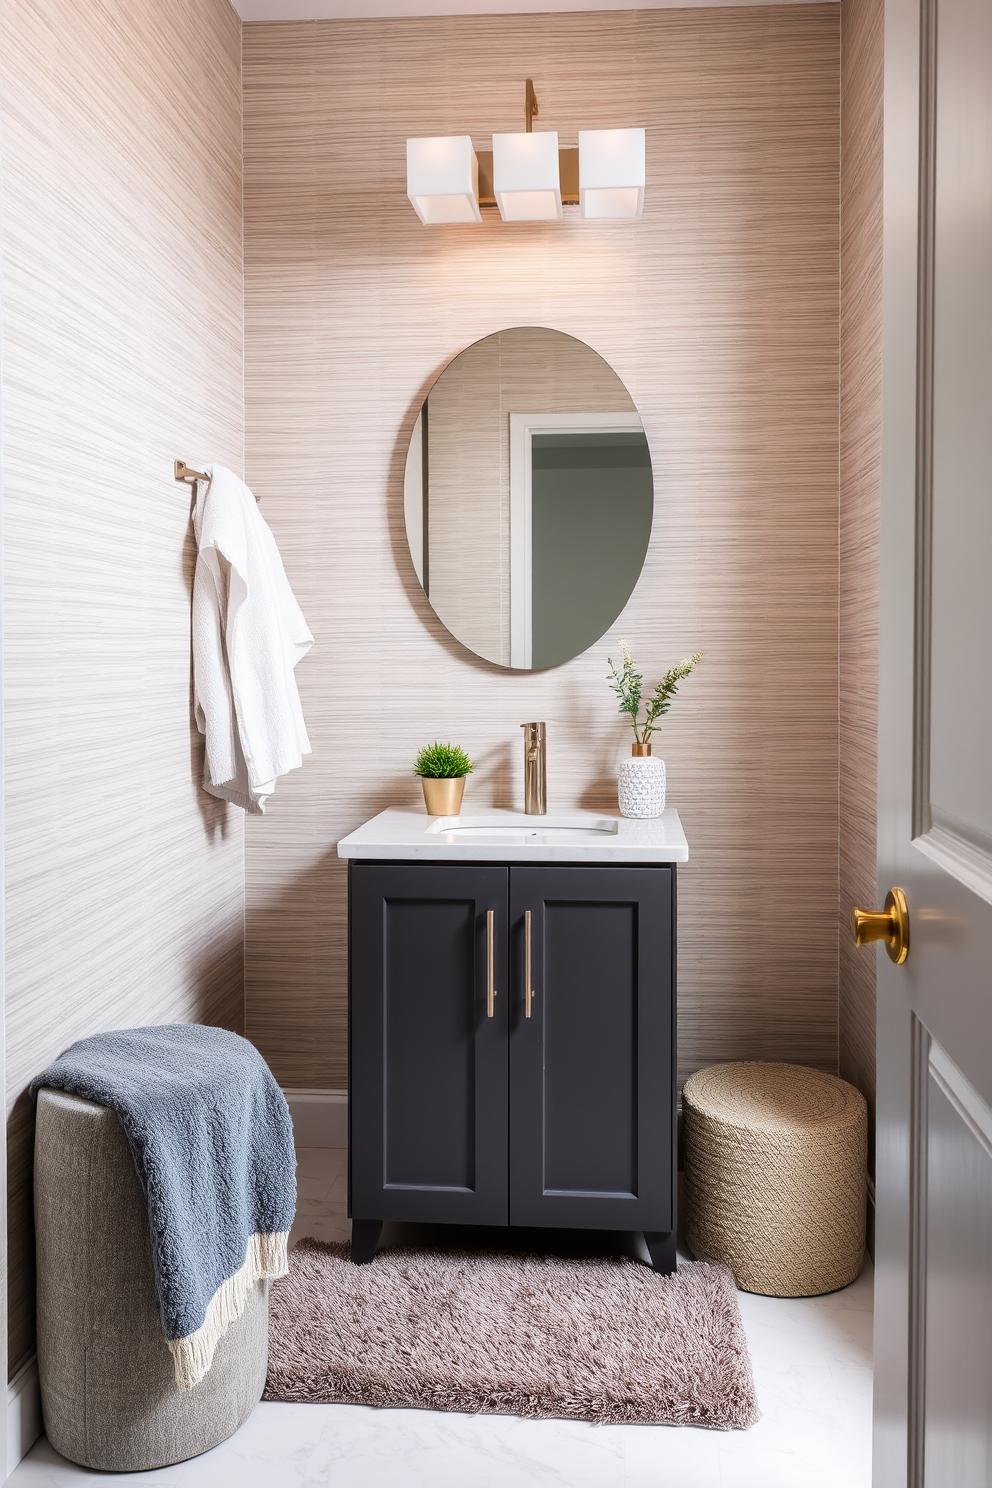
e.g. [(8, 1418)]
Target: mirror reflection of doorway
[(581, 507)]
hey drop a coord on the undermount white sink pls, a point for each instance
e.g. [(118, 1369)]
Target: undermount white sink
[(493, 835), (531, 829)]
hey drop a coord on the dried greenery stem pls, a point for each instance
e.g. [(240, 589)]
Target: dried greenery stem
[(442, 762), (628, 684)]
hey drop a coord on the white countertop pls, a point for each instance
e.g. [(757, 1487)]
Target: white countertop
[(490, 835)]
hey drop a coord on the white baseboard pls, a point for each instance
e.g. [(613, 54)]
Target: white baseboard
[(24, 1423), (320, 1117)]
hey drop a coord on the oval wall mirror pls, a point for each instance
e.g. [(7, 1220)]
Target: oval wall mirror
[(528, 497)]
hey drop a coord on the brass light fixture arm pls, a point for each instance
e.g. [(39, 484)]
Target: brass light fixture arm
[(530, 106)]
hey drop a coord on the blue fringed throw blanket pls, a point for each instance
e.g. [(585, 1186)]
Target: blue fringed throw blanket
[(212, 1141)]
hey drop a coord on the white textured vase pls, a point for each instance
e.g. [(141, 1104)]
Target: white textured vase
[(641, 784)]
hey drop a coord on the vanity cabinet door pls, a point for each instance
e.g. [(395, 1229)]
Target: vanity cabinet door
[(428, 1065), (591, 1070)]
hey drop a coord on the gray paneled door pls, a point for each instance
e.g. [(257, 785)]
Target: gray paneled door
[(933, 1391)]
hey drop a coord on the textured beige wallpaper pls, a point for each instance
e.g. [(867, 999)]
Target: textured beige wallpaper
[(123, 350), (720, 313), (860, 457)]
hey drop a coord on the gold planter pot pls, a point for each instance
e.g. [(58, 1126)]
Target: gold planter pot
[(443, 797)]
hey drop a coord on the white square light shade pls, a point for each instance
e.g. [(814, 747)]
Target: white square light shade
[(526, 184), (611, 172), (442, 178)]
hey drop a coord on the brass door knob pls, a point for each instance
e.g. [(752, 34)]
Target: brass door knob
[(890, 924)]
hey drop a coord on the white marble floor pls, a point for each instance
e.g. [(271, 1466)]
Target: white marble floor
[(812, 1365)]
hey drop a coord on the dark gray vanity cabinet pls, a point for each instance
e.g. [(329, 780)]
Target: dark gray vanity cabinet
[(549, 1102)]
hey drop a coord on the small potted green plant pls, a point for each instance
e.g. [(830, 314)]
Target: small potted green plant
[(442, 769), (641, 779)]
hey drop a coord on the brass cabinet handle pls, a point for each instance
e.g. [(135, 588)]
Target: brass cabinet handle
[(528, 989), (490, 962), (890, 924)]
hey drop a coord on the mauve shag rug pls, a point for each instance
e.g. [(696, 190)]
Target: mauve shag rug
[(523, 1335)]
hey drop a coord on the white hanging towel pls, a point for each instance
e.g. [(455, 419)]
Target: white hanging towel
[(248, 635)]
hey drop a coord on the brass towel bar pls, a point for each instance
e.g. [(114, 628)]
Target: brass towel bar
[(185, 472)]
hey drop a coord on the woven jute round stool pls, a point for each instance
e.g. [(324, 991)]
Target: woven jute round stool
[(775, 1161)]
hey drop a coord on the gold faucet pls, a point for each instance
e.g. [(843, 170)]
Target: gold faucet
[(535, 769)]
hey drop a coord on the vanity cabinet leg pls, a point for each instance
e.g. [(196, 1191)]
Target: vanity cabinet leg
[(661, 1249), (364, 1239)]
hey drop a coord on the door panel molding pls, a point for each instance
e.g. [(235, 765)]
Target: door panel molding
[(918, 1149), (926, 230), (956, 848), (960, 851), (969, 1105), (959, 1288), (929, 1062)]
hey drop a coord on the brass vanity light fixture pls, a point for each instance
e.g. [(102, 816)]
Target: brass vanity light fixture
[(527, 176)]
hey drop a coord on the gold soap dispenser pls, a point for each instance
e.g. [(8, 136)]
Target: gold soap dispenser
[(535, 769)]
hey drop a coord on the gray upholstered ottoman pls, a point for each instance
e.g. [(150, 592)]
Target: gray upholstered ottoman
[(108, 1386)]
